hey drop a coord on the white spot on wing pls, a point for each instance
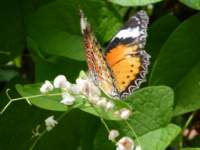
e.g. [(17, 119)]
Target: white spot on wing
[(129, 32)]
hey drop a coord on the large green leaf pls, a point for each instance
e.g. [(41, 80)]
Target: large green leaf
[(151, 115), (56, 30), (187, 92), (195, 4), (177, 65), (159, 139), (152, 108), (52, 65), (158, 33), (134, 2)]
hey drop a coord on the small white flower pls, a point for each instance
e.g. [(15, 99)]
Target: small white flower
[(94, 100), (125, 143), (113, 134), (125, 113), (67, 99), (50, 123), (138, 148), (109, 105), (102, 102), (46, 87), (87, 87), (75, 89), (61, 82)]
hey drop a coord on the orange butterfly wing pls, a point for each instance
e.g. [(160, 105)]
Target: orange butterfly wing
[(125, 56)]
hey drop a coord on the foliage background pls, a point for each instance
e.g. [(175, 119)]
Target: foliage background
[(40, 39)]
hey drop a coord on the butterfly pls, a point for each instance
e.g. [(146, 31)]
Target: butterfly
[(122, 68)]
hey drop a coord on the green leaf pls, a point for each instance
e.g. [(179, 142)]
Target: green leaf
[(152, 108), (56, 31), (44, 101), (52, 65), (195, 4), (134, 2), (187, 92), (159, 139), (177, 65), (52, 102), (158, 33)]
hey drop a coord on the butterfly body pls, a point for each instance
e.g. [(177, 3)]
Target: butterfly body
[(123, 66)]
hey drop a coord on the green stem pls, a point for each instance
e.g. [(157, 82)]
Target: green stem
[(183, 129), (189, 121), (36, 141), (45, 131), (23, 98), (101, 118), (134, 134)]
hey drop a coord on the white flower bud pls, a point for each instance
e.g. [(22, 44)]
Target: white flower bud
[(102, 102), (125, 143), (94, 100), (46, 87), (87, 87), (113, 134), (109, 105), (67, 99), (50, 123), (75, 89), (125, 113), (138, 148), (61, 82)]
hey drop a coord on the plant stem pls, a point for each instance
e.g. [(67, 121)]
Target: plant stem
[(23, 98), (183, 129), (132, 130), (36, 141), (45, 131), (101, 118)]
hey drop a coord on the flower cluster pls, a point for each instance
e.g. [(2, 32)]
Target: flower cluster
[(84, 87)]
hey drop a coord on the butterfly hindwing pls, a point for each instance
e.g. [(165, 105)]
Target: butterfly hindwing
[(125, 57)]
